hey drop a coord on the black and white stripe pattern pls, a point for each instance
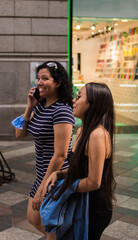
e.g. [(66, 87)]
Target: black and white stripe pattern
[(41, 128)]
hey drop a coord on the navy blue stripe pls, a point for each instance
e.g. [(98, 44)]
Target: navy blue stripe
[(41, 128)]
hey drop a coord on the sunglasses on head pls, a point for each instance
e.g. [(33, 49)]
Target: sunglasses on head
[(52, 64)]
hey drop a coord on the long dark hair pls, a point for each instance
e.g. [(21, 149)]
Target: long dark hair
[(58, 73), (100, 112)]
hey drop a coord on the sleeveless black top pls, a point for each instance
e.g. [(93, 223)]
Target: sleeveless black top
[(98, 199)]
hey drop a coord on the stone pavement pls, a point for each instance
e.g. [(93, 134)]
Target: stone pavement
[(14, 195)]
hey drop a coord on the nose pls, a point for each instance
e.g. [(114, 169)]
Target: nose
[(74, 99), (40, 81)]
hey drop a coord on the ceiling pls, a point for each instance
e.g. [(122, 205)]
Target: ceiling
[(100, 24)]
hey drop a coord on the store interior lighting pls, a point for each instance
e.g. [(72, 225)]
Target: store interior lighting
[(93, 27), (110, 56), (124, 20), (100, 32), (87, 28), (78, 27)]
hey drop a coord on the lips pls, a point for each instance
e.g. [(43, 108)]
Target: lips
[(41, 89)]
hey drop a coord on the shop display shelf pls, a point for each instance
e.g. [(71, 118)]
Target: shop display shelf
[(118, 56)]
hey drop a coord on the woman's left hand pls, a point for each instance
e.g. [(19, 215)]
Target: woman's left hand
[(52, 179), (37, 200)]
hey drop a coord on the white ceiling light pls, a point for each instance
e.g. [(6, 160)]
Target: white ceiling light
[(78, 27), (93, 27), (124, 20)]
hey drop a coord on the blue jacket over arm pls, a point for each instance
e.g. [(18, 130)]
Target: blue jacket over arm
[(68, 216)]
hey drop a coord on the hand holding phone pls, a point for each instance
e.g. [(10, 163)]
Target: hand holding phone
[(37, 94)]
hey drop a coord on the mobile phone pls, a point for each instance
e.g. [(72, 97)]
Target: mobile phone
[(36, 94)]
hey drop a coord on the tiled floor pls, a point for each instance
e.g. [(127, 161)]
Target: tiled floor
[(14, 196)]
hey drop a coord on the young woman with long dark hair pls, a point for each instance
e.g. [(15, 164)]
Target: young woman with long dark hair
[(91, 159)]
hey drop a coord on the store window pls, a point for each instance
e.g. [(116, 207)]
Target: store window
[(106, 50)]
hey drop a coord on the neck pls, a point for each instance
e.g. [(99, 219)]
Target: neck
[(50, 101)]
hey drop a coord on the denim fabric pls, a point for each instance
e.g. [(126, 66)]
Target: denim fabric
[(68, 216)]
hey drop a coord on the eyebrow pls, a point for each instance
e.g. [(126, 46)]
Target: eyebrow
[(43, 75), (79, 92)]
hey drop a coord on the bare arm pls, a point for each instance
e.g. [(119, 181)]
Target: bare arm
[(96, 156), (62, 136)]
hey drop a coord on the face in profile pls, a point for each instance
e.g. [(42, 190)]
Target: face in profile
[(80, 104)]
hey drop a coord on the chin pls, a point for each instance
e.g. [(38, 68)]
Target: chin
[(75, 115), (42, 95)]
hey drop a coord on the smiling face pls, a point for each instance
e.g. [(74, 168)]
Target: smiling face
[(80, 104), (46, 85)]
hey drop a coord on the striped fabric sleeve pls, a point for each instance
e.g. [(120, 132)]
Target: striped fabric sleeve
[(63, 114)]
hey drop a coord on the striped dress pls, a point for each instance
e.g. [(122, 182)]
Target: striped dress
[(41, 128)]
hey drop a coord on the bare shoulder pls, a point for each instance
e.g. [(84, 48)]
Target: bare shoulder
[(100, 141), (98, 133), (97, 136)]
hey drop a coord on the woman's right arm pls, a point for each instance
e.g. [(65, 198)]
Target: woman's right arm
[(28, 114)]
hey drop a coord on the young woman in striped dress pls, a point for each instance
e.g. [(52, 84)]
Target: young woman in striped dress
[(50, 121)]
